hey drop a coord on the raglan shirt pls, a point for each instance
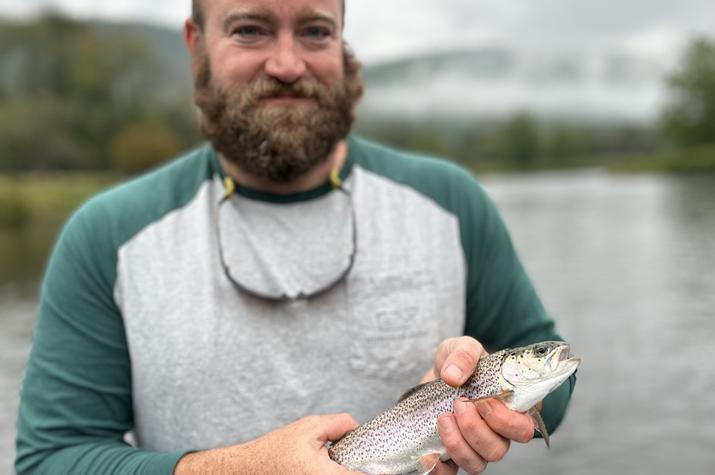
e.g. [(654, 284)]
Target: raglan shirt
[(141, 332)]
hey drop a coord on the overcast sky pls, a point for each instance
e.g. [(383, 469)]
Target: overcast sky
[(381, 29)]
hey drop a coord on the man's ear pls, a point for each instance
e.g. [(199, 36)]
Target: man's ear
[(192, 35), (193, 39)]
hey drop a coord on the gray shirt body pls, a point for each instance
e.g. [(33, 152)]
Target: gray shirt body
[(141, 331)]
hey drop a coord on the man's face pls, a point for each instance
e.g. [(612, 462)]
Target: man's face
[(275, 87)]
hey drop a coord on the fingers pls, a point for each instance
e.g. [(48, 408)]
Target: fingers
[(445, 468), (477, 434), (490, 445), (459, 450), (457, 359), (334, 426), (509, 424)]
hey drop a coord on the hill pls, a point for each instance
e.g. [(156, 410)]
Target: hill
[(499, 81), (484, 82)]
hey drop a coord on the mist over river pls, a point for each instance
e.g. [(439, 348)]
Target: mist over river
[(626, 265)]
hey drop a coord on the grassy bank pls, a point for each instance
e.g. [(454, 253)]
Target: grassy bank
[(25, 198), (51, 197), (699, 159), (686, 160), (32, 211)]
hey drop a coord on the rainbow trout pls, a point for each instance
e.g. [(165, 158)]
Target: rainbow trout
[(405, 439)]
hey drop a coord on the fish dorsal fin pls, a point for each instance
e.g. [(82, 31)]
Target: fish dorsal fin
[(539, 423), (411, 391)]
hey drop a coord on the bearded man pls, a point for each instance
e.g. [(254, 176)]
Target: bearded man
[(238, 308)]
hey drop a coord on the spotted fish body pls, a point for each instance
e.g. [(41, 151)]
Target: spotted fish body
[(396, 441)]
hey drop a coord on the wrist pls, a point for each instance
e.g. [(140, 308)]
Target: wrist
[(190, 463), (214, 461)]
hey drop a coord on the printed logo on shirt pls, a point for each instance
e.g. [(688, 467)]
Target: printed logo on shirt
[(393, 324)]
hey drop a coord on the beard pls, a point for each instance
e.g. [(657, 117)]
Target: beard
[(280, 142)]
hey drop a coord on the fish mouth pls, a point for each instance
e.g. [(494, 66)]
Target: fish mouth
[(562, 360)]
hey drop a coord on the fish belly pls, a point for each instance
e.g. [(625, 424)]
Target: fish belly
[(381, 459), (393, 442)]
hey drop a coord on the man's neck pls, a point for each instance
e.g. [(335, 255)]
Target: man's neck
[(315, 177)]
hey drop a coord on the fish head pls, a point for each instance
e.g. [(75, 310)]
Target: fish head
[(533, 371)]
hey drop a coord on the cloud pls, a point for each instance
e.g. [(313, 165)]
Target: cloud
[(380, 29), (655, 28)]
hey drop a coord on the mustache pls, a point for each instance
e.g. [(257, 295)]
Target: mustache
[(271, 87)]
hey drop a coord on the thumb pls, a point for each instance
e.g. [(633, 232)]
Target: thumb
[(457, 359), (335, 426)]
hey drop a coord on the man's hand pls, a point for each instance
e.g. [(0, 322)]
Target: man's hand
[(298, 448), (474, 434)]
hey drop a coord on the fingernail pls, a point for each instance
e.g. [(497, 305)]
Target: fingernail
[(445, 423), (454, 373), (484, 408), (459, 406)]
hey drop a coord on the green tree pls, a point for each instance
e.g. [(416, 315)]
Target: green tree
[(41, 133), (689, 118), (66, 88), (521, 140), (142, 145)]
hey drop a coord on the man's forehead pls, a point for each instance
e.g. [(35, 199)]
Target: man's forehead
[(276, 8)]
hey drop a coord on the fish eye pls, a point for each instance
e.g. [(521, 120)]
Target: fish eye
[(541, 351)]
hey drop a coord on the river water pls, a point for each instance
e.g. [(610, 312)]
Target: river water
[(626, 265)]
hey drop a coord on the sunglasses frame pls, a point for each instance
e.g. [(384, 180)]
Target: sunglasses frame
[(230, 189)]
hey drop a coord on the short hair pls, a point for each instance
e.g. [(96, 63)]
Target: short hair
[(197, 13)]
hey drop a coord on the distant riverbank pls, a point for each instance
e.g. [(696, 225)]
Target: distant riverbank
[(32, 196), (699, 159), (685, 160), (34, 206)]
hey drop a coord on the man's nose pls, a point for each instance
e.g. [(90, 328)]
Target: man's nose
[(285, 62)]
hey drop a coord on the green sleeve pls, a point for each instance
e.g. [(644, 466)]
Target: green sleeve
[(503, 309), (76, 400)]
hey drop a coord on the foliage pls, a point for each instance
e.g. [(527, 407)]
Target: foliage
[(684, 160), (521, 140), (43, 133), (690, 117), (142, 145), (65, 89), (54, 195), (33, 208), (517, 142), (13, 210), (75, 97)]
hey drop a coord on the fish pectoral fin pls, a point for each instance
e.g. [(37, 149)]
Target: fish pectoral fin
[(539, 424), (502, 396), (427, 462)]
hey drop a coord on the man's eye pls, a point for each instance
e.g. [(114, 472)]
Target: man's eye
[(248, 32), (318, 33)]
